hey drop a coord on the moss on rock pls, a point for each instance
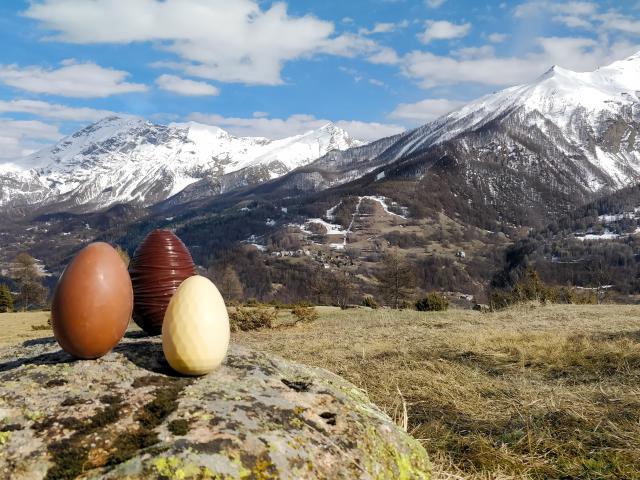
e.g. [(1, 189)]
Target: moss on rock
[(257, 417)]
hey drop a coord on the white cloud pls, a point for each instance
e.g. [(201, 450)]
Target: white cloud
[(227, 41), (434, 3), (349, 45), (443, 30), (184, 86), (498, 37), (583, 54), (384, 27), (353, 73), (293, 125), (425, 110), (579, 14), (53, 111), (81, 80), (369, 131), (545, 7), (431, 70), (19, 138), (385, 56), (482, 51), (621, 23), (480, 67), (572, 21)]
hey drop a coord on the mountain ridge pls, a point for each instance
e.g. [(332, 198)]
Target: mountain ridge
[(551, 128), (129, 159)]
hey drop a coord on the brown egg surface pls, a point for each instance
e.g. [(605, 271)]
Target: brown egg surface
[(158, 267), (92, 303)]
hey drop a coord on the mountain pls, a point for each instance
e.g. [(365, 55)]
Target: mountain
[(452, 195), (549, 145), (131, 160)]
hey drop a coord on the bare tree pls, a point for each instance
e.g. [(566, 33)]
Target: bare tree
[(28, 279), (229, 284), (340, 288), (601, 277), (396, 279)]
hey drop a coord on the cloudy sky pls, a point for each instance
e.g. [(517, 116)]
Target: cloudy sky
[(257, 67)]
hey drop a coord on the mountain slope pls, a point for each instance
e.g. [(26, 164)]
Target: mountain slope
[(130, 160), (546, 146)]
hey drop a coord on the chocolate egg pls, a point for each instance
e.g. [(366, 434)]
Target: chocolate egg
[(195, 332), (92, 303), (158, 267)]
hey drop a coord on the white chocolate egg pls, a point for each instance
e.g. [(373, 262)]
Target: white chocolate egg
[(195, 330)]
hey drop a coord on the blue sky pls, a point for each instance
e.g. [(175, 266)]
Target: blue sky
[(279, 68)]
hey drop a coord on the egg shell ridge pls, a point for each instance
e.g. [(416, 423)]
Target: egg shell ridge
[(158, 267)]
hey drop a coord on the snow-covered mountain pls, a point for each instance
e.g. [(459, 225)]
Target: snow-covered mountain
[(131, 160), (541, 147), (592, 114), (572, 133)]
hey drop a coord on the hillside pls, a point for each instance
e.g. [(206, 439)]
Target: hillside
[(530, 152)]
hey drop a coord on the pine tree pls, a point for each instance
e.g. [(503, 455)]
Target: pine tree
[(6, 300)]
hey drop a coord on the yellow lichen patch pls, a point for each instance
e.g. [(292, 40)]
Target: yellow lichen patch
[(176, 468), (33, 415), (385, 463)]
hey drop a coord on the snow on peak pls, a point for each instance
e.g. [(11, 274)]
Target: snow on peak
[(126, 158), (557, 94), (632, 58), (202, 128), (575, 105)]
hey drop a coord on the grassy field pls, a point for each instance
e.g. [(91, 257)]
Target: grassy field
[(532, 392), (21, 326)]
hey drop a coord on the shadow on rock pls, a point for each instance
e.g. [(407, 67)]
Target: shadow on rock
[(39, 341), (147, 355), (138, 334), (43, 359)]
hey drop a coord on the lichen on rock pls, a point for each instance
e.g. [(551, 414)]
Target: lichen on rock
[(127, 415)]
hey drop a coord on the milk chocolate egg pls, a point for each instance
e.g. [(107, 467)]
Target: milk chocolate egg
[(195, 331), (92, 303), (158, 267)]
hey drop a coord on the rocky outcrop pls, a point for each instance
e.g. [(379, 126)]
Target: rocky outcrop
[(127, 415)]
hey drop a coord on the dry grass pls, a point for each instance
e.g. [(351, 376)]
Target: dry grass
[(18, 327), (532, 392)]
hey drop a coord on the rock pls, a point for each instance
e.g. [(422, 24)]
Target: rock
[(127, 415), (481, 307)]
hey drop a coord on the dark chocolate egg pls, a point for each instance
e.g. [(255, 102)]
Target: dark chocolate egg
[(92, 303), (158, 267)]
